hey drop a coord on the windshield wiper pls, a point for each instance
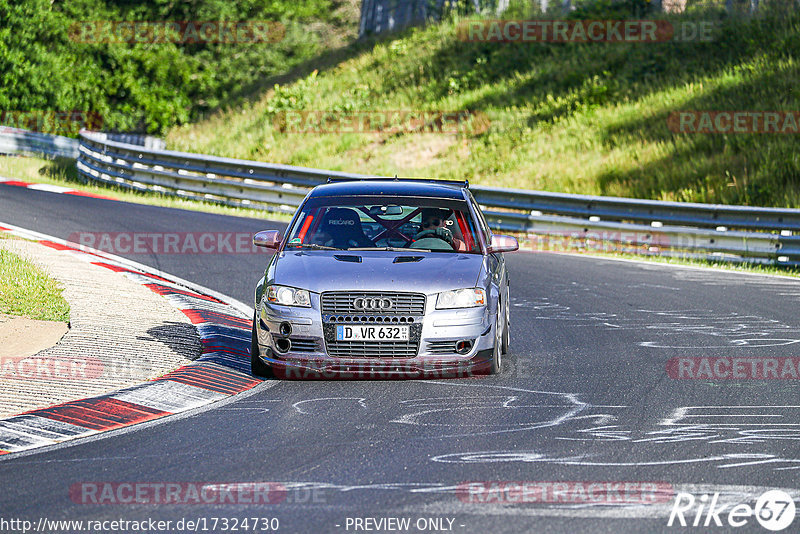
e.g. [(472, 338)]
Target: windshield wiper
[(312, 246), (390, 249), (393, 249)]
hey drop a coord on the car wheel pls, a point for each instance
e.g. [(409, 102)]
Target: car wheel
[(497, 353), (257, 366)]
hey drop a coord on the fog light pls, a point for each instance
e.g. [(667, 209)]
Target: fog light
[(463, 346), (283, 345), (285, 329)]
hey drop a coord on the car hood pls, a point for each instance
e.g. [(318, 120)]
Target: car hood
[(422, 272)]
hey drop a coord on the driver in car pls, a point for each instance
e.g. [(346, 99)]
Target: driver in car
[(434, 224)]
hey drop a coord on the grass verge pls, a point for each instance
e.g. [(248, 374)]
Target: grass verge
[(27, 290)]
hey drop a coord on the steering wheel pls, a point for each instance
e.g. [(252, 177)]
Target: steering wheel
[(436, 233)]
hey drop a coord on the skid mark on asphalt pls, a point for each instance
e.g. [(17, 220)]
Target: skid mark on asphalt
[(722, 461), (326, 403), (496, 412), (712, 278), (675, 329), (743, 415), (740, 424), (719, 426), (544, 417), (502, 412)]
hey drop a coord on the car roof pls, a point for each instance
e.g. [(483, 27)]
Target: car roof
[(391, 187)]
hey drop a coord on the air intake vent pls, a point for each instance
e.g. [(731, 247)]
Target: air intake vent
[(442, 347), (407, 259), (345, 257)]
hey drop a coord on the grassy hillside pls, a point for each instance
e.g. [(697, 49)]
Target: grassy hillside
[(48, 64), (579, 118)]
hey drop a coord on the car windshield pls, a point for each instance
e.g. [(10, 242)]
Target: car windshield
[(385, 223)]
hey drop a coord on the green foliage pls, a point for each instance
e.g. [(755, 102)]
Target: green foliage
[(292, 97), (46, 65), (574, 117)]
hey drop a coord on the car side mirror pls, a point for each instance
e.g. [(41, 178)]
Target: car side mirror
[(503, 243), (268, 238)]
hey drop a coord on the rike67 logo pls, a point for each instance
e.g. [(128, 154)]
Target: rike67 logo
[(774, 510)]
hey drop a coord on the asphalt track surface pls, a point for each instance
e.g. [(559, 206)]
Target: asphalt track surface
[(585, 396)]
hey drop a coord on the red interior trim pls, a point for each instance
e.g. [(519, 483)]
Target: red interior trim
[(304, 229), (465, 233)]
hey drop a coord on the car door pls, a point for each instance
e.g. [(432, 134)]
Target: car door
[(496, 263)]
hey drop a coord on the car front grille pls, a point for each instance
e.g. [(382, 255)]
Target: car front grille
[(342, 303), (368, 319), (338, 307)]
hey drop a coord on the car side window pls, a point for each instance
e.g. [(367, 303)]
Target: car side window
[(484, 227)]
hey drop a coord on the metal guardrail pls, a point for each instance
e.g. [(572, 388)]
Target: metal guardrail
[(673, 241), (210, 178), (728, 233), (16, 141), (140, 140), (652, 212), (25, 142)]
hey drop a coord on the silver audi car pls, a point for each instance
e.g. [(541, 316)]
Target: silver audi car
[(383, 278)]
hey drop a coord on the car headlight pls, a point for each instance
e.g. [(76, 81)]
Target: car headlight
[(288, 296), (461, 298)]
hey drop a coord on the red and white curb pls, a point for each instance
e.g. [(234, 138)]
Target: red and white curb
[(51, 188), (222, 370)]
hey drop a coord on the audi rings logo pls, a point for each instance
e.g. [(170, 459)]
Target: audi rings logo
[(373, 304)]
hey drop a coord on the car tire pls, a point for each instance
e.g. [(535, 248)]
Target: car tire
[(507, 329), (257, 366), (496, 364)]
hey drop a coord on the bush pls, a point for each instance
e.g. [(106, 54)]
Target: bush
[(143, 87)]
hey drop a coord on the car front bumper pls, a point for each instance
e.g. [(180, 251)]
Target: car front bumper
[(434, 334)]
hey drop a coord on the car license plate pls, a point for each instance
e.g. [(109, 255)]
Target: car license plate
[(371, 333)]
